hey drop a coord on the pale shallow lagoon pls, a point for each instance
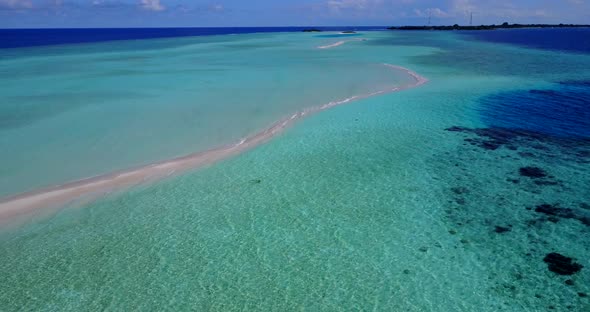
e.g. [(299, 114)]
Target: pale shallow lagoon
[(379, 204)]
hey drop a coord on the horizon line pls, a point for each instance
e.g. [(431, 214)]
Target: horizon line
[(297, 26)]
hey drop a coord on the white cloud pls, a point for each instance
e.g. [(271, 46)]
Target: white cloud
[(509, 10), (344, 4), (433, 12), (16, 4), (463, 7), (445, 11), (152, 5), (217, 8), (357, 5)]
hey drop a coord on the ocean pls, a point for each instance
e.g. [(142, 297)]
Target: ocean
[(465, 192), (18, 38)]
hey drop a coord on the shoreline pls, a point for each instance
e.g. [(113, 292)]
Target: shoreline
[(339, 43), (98, 186)]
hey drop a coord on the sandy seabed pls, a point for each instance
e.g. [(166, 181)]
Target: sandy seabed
[(95, 187)]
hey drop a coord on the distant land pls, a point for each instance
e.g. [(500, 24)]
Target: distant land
[(487, 27)]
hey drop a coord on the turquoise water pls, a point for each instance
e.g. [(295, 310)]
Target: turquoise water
[(77, 111), (375, 205)]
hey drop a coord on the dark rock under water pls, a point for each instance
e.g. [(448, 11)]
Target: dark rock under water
[(532, 172), (554, 210), (565, 213), (530, 144), (501, 229), (561, 264), (506, 170)]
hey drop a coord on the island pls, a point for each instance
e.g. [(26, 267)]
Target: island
[(311, 30), (487, 27)]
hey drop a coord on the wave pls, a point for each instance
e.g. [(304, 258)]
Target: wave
[(92, 188)]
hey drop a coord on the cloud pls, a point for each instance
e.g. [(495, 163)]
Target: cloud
[(16, 4), (216, 8), (432, 12), (463, 7), (347, 4), (517, 11), (152, 5), (25, 13), (353, 5), (108, 4)]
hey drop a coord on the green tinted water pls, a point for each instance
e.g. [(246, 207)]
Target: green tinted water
[(368, 206), (78, 111)]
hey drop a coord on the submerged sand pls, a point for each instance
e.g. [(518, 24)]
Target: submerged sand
[(95, 187)]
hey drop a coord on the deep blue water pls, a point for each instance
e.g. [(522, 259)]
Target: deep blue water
[(562, 111), (15, 38), (562, 39)]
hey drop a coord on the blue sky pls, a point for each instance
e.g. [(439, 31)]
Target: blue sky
[(152, 13)]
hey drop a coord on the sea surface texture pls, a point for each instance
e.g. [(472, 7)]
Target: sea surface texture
[(76, 111), (468, 193)]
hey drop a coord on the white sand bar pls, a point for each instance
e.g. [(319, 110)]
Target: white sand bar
[(95, 187), (339, 43)]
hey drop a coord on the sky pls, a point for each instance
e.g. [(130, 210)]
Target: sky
[(246, 13)]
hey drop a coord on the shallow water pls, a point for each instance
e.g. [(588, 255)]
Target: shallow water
[(411, 201), (77, 111)]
